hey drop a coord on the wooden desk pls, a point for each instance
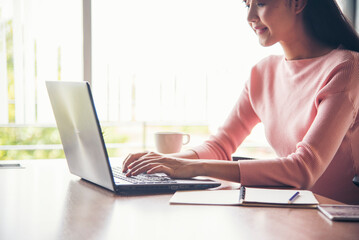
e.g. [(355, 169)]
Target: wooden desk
[(44, 201)]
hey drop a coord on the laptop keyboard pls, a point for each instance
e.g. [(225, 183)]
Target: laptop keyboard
[(142, 178)]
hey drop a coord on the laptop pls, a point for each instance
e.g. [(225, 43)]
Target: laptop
[(85, 149)]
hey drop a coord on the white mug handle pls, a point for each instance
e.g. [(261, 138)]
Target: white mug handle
[(187, 140)]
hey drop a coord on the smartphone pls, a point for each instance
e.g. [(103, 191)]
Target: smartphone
[(340, 212)]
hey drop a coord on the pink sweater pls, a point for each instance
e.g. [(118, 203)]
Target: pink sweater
[(309, 109)]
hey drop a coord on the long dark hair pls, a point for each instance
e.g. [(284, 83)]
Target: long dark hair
[(327, 23)]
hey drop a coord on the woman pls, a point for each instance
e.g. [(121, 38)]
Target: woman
[(307, 101)]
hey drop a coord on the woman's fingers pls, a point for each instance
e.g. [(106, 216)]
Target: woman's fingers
[(130, 159), (161, 169), (142, 158), (143, 165), (157, 163), (147, 162), (143, 168)]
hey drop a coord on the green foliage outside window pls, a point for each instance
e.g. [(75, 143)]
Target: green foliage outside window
[(23, 137), (133, 136)]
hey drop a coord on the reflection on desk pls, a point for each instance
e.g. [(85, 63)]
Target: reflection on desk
[(81, 205), (44, 201)]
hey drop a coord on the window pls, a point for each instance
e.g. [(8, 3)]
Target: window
[(171, 62), (39, 41), (156, 65)]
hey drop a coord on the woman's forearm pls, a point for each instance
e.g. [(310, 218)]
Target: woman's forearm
[(226, 170), (188, 154), (220, 169)]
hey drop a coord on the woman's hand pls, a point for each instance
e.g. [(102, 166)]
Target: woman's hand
[(150, 162), (176, 166)]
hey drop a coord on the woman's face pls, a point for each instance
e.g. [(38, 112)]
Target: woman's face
[(272, 20)]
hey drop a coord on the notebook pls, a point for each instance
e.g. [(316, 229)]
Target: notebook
[(248, 197), (81, 136)]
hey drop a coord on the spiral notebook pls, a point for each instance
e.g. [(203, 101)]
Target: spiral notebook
[(247, 197)]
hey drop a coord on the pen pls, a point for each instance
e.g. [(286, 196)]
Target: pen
[(292, 198), (10, 165)]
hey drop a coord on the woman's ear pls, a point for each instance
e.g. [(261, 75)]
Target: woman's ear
[(299, 5)]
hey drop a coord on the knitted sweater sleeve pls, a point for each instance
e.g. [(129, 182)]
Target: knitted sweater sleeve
[(336, 112), (235, 129), (337, 104)]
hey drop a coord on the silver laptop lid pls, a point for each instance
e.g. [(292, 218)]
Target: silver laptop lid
[(80, 131)]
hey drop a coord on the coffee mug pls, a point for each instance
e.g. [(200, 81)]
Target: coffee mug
[(170, 142)]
